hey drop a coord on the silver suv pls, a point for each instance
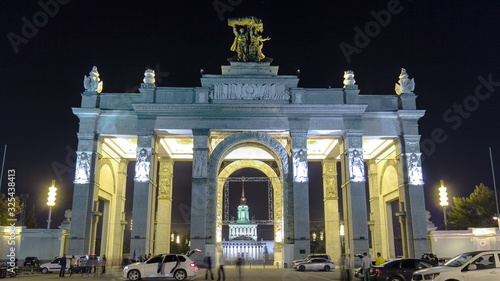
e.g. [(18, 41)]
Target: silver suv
[(309, 257), (161, 266)]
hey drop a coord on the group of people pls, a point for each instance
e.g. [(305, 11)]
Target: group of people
[(83, 264), (432, 258), (366, 265), (222, 261)]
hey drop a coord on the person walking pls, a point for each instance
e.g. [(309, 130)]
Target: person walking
[(90, 265), (72, 263), (380, 260), (62, 263), (347, 264), (222, 262), (104, 261), (366, 265), (239, 266), (208, 264)]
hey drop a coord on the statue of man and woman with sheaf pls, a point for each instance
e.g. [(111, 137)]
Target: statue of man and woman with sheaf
[(248, 41)]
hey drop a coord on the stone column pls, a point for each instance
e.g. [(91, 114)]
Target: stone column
[(84, 183), (202, 231), (412, 201), (331, 208), (95, 221), (300, 187), (378, 231), (144, 194), (164, 212), (65, 227), (118, 216), (354, 195)]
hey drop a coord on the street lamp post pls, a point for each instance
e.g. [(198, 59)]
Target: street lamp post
[(443, 198), (497, 218), (51, 200)]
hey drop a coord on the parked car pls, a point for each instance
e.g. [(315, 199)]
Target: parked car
[(53, 265), (86, 263), (31, 262), (315, 264), (470, 266), (397, 269), (177, 266), (308, 257)]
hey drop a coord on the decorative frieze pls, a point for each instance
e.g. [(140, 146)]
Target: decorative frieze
[(165, 178), (249, 91), (330, 179)]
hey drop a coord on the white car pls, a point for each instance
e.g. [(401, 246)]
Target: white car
[(471, 266), (53, 266), (315, 264), (160, 266)]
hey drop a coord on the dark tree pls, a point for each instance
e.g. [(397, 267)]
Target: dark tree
[(30, 218), (10, 207), (477, 210)]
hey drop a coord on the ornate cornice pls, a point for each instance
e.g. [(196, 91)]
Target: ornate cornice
[(247, 110)]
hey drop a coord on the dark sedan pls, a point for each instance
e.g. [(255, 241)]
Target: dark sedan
[(398, 269)]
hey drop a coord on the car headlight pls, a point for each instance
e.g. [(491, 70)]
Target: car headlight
[(125, 268), (431, 276)]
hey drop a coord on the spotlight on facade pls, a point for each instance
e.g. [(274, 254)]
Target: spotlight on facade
[(443, 201), (51, 200)]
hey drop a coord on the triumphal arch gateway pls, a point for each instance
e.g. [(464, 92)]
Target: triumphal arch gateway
[(249, 116)]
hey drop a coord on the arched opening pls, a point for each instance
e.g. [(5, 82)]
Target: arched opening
[(277, 175)]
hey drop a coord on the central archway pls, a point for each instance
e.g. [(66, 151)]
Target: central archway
[(276, 183), (281, 192)]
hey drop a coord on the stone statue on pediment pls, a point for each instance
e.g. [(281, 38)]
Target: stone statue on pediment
[(248, 41), (149, 76), (92, 83), (405, 84), (349, 78)]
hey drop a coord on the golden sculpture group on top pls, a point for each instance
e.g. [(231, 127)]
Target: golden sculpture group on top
[(248, 42)]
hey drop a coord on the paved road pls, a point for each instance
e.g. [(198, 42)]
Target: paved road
[(249, 274)]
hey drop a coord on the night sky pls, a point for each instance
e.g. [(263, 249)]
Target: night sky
[(451, 48)]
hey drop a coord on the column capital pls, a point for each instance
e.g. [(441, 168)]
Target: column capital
[(200, 132), (299, 139)]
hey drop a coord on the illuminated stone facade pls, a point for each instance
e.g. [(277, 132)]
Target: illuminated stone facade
[(251, 117)]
